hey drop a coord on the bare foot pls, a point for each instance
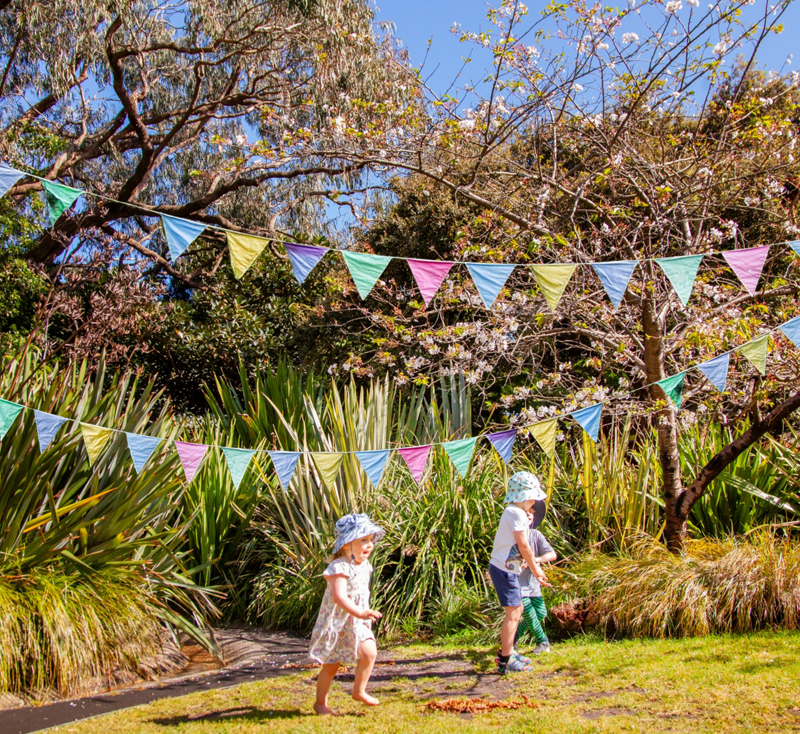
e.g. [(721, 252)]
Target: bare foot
[(366, 698), (322, 710)]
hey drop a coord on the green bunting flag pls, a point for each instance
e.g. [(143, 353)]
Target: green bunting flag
[(756, 352), (673, 387), (238, 461), (682, 272), (328, 466), (96, 439), (244, 250), (545, 434), (365, 269), (59, 198), (553, 279), (460, 453), (8, 414)]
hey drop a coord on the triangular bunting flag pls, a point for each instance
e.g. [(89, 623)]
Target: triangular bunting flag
[(191, 456), (59, 198), (429, 275), (8, 177), (244, 249), (96, 439), (716, 370), (489, 279), (673, 387), (373, 463), (795, 246), (238, 461), (416, 457), (681, 272), (284, 463), (503, 442), (747, 264), (47, 426), (141, 448), (792, 330), (328, 464), (615, 277), (756, 352), (545, 434), (460, 453), (180, 233), (8, 414), (589, 419), (553, 279), (365, 269), (303, 259)]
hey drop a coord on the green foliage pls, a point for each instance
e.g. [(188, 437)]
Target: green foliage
[(731, 585), (58, 630)]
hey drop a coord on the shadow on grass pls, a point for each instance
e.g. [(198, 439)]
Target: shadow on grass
[(242, 715)]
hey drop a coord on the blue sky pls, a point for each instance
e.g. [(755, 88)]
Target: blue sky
[(418, 21)]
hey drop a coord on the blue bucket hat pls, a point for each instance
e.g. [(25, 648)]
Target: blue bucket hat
[(352, 527), (524, 486)]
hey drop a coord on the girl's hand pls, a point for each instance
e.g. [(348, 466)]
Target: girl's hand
[(371, 614)]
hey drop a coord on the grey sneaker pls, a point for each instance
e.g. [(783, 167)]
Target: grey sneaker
[(542, 647)]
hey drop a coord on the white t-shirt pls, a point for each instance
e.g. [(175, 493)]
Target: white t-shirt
[(513, 518)]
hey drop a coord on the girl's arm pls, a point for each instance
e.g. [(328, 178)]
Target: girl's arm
[(339, 594), (521, 536)]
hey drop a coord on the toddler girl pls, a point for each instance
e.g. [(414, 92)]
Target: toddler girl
[(343, 632)]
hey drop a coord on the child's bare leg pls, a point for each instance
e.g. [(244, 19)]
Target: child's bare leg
[(324, 680), (509, 629), (367, 653)]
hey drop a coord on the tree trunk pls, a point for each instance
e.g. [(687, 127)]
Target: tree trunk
[(667, 427)]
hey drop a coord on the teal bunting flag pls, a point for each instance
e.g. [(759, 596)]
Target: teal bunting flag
[(8, 414), (365, 269), (460, 453), (59, 198), (673, 387), (238, 461), (681, 272)]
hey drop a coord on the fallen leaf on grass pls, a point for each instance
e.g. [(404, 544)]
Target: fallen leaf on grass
[(476, 705), (299, 666)]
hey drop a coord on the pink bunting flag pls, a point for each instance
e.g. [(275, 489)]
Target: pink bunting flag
[(429, 275), (748, 264), (191, 455), (416, 457)]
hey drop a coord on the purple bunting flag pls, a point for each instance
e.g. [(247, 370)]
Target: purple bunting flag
[(747, 264), (429, 275), (503, 442), (304, 258), (416, 457), (191, 455)]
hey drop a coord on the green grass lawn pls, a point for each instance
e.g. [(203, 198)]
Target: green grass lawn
[(714, 684)]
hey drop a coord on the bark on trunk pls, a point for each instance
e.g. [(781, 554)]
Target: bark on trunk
[(667, 428)]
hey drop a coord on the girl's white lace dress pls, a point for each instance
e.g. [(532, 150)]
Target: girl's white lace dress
[(337, 634)]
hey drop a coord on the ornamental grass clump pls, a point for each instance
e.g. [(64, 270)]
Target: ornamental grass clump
[(716, 586), (61, 631)]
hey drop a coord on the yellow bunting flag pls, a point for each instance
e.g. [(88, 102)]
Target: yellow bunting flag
[(328, 466), (756, 352), (545, 434), (96, 439), (244, 251), (553, 279)]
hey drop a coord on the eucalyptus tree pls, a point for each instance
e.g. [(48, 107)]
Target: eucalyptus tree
[(212, 111), (609, 134)]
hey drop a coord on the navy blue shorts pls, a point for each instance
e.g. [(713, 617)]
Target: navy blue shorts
[(507, 586)]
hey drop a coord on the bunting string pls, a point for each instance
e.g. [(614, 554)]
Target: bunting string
[(460, 451), (366, 269)]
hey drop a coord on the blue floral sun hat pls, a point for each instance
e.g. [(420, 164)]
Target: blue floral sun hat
[(524, 486), (352, 527)]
